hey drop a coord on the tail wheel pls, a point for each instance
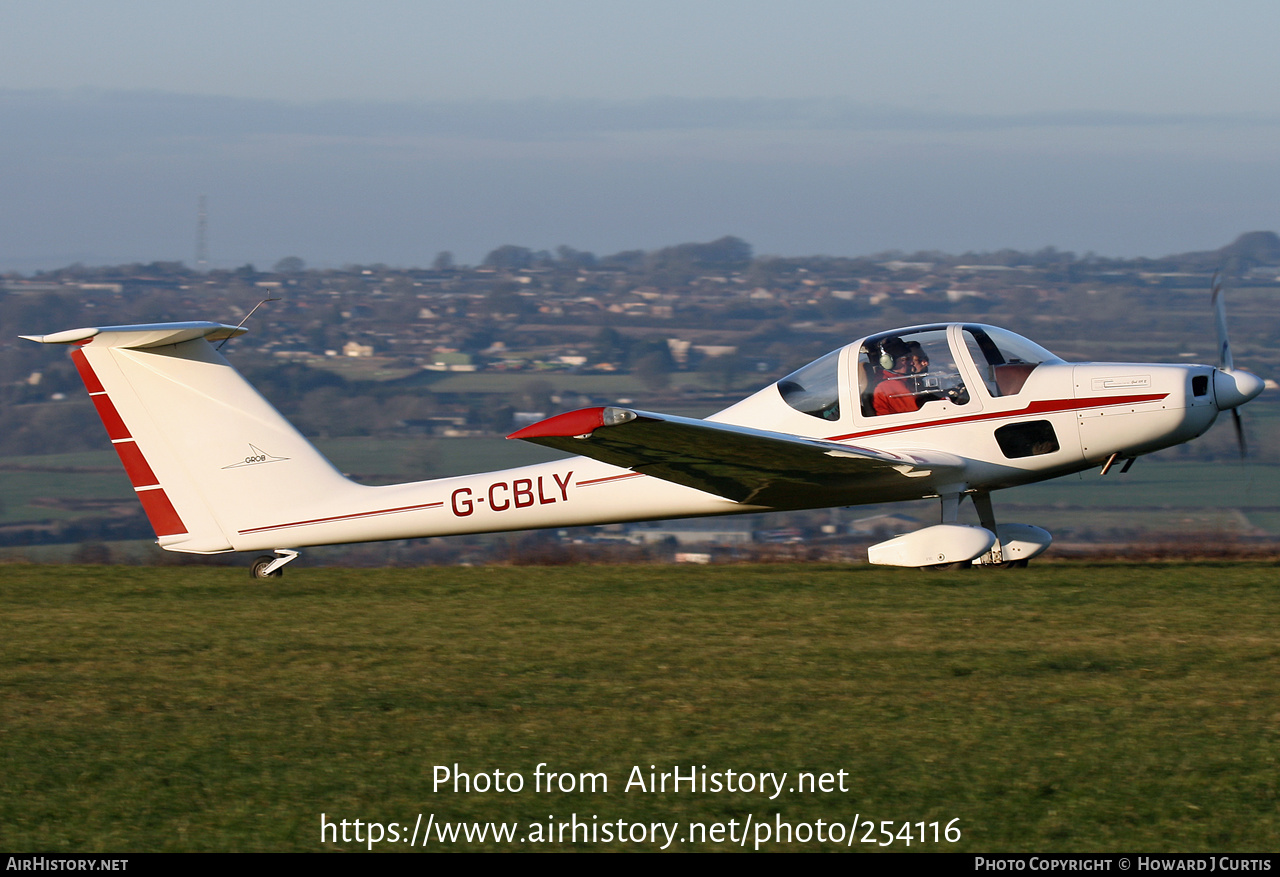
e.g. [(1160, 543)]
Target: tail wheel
[(259, 568)]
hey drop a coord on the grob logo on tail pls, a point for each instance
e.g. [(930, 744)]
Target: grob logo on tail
[(256, 455)]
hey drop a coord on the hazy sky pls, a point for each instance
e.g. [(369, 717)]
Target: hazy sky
[(387, 131)]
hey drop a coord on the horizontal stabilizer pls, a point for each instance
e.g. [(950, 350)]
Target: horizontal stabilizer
[(736, 462), (141, 336)]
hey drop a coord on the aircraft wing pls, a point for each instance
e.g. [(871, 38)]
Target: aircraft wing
[(745, 465)]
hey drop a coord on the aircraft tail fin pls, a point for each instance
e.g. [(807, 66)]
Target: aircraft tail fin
[(207, 455)]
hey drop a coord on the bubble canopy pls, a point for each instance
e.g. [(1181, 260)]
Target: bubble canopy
[(1002, 358)]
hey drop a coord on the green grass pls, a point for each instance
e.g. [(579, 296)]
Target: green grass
[(1069, 707)]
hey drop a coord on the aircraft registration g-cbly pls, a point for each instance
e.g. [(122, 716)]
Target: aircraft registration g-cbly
[(946, 410)]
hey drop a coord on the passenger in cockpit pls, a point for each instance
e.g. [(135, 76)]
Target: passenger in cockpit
[(918, 367), (917, 359)]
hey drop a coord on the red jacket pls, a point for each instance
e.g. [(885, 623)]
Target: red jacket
[(894, 395)]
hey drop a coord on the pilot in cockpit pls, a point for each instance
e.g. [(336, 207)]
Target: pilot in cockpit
[(906, 382), (896, 392)]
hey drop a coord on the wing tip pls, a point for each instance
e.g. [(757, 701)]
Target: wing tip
[(572, 424)]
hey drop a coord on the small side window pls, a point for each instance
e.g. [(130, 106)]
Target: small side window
[(1005, 360), (1027, 439)]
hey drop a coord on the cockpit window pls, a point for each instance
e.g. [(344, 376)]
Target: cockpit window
[(1004, 359), (902, 372), (815, 389)]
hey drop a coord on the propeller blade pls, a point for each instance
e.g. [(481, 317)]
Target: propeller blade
[(1220, 318), (1235, 415)]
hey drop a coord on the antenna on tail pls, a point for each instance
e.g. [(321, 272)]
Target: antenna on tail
[(246, 318)]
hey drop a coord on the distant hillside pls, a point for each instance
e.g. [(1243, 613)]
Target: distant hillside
[(1251, 250)]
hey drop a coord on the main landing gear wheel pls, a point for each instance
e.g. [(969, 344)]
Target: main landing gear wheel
[(958, 564), (259, 568), (268, 567)]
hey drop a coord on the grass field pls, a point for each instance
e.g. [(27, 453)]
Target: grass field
[(1070, 707)]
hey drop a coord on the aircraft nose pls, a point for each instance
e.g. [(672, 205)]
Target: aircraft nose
[(1234, 388)]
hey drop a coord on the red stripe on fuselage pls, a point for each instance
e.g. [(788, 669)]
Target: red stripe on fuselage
[(1047, 406), (595, 481), (407, 508)]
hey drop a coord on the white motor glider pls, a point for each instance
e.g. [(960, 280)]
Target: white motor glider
[(946, 410)]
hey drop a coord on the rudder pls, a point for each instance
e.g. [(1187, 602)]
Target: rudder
[(207, 455)]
